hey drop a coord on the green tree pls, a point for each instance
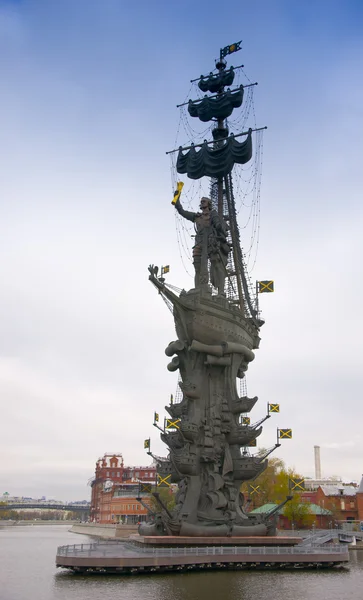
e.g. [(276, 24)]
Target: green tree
[(167, 496), (272, 485), (264, 483), (9, 513), (72, 515), (298, 512), (281, 487)]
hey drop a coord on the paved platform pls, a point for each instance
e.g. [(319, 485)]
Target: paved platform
[(131, 558), (215, 541)]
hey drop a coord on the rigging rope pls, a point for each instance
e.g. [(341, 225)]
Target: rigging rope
[(247, 178)]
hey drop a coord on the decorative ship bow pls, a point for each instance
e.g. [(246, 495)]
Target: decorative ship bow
[(217, 325)]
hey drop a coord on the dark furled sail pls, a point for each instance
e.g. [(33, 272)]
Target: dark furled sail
[(214, 83), (214, 162), (216, 108)]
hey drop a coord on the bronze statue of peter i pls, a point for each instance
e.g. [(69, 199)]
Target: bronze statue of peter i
[(210, 243)]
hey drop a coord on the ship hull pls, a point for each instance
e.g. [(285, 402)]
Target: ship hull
[(246, 468), (212, 320)]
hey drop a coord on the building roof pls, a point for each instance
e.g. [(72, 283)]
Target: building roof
[(314, 509), (153, 467), (335, 490), (264, 509), (313, 484)]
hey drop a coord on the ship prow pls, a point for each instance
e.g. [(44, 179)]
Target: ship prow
[(209, 318)]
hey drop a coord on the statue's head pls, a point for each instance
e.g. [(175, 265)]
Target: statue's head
[(205, 203)]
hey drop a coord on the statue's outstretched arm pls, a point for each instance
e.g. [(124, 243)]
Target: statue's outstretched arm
[(187, 214)]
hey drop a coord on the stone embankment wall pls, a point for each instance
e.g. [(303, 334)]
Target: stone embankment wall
[(11, 523), (105, 531)]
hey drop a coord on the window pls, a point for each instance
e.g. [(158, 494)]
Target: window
[(108, 474), (118, 473), (113, 474)]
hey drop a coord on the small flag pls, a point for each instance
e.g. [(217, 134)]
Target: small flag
[(296, 484), (246, 420), (156, 417), (275, 408), (165, 269), (147, 444), (231, 48), (144, 488), (265, 286), (253, 489), (285, 433), (170, 424), (163, 481), (252, 443), (178, 191)]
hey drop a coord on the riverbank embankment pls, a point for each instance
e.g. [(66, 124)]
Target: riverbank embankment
[(10, 523), (105, 532)]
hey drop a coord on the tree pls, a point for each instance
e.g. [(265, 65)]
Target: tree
[(282, 484), (167, 496), (264, 483), (71, 515), (298, 512), (9, 513), (272, 485)]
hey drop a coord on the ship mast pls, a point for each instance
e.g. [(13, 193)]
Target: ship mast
[(222, 194), (216, 161)]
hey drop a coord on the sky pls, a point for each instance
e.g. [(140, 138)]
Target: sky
[(87, 112)]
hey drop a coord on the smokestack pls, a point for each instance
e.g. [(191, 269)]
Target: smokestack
[(317, 462)]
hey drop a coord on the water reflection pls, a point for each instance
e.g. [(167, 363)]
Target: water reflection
[(27, 568), (236, 585)]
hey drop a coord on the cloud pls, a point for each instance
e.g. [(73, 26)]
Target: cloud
[(338, 445), (85, 207)]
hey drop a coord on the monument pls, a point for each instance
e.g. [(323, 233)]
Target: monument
[(217, 326)]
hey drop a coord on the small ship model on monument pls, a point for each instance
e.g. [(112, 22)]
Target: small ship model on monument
[(217, 324)]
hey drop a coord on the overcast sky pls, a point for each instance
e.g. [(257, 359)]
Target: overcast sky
[(87, 111)]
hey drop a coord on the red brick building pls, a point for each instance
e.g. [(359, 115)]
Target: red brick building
[(309, 496), (360, 501), (340, 500), (115, 488)]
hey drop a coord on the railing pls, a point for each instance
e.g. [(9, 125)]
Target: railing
[(318, 538), (100, 525), (321, 536), (111, 547)]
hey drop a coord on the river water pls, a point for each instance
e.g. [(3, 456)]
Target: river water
[(28, 572)]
